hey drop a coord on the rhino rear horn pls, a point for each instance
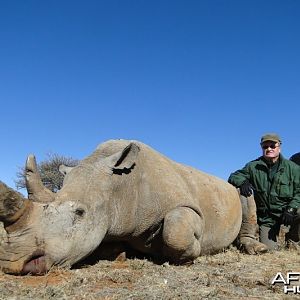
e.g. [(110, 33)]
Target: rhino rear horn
[(125, 158), (12, 204), (36, 190)]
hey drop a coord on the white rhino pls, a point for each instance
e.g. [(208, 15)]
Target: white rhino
[(123, 191)]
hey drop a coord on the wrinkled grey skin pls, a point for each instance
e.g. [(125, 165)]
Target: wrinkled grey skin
[(124, 191)]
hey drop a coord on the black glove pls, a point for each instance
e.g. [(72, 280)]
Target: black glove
[(288, 216), (246, 189)]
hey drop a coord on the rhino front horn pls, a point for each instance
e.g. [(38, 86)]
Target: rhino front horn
[(36, 190), (12, 204)]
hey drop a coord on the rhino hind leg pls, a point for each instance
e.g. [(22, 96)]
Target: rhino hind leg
[(182, 233)]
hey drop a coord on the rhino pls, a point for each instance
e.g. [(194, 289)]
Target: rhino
[(125, 191)]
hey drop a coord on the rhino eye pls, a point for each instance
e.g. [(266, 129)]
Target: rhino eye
[(79, 212)]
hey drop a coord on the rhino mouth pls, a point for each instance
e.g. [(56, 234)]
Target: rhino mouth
[(35, 264)]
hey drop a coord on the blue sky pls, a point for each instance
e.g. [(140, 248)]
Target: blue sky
[(199, 81)]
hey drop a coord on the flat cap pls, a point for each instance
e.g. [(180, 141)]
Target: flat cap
[(273, 137)]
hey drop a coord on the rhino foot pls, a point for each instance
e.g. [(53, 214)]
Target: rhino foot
[(252, 246)]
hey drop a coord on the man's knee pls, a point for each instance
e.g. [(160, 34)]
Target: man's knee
[(269, 236)]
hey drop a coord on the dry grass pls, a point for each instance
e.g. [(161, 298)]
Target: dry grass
[(227, 275)]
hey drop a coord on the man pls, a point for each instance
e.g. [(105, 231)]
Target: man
[(275, 184), (296, 158)]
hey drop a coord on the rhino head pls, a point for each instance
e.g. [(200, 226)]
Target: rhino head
[(59, 228)]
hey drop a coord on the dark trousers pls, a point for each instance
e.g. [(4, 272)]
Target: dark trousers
[(269, 235)]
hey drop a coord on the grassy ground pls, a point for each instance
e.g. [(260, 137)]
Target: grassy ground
[(227, 275)]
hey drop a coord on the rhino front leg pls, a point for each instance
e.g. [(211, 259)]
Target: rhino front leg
[(182, 234)]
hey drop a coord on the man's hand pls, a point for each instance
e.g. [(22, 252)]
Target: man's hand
[(246, 189), (288, 216)]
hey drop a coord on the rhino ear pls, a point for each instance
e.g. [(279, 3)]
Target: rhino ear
[(124, 159), (64, 169)]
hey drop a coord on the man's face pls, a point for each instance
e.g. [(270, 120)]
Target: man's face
[(270, 150)]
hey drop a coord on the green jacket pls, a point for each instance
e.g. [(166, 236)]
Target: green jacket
[(272, 193)]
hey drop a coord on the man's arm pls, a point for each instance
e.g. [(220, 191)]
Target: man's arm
[(295, 202), (238, 177)]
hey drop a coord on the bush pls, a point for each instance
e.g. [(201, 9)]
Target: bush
[(49, 172)]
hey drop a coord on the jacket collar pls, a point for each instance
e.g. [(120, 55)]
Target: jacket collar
[(263, 162)]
